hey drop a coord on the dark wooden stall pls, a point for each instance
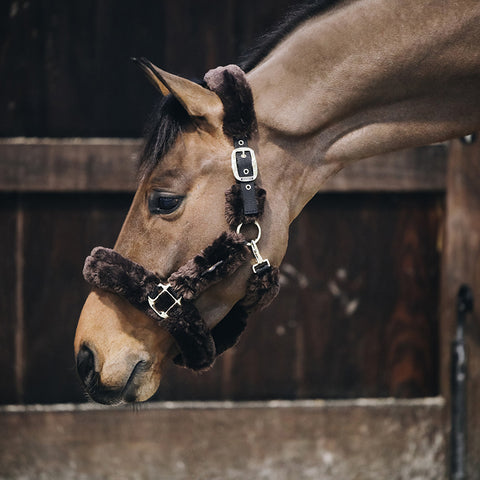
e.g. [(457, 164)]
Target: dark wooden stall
[(367, 306)]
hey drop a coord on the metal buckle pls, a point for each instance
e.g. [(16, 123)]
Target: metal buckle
[(169, 298), (260, 266), (242, 176)]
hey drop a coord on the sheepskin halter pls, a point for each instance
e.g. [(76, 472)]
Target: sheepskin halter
[(170, 301)]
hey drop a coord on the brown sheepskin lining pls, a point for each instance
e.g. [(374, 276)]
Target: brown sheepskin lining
[(231, 85), (108, 270), (234, 206)]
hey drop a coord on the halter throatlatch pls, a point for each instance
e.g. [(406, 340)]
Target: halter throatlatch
[(170, 301)]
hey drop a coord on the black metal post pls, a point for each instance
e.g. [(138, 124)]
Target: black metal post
[(459, 388)]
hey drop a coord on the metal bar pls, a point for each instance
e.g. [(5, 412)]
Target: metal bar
[(459, 387)]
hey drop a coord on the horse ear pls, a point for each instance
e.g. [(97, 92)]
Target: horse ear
[(198, 101)]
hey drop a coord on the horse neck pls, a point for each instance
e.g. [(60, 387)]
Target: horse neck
[(365, 78)]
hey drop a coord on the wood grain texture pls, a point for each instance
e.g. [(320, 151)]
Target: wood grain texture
[(413, 170), (355, 266), (367, 440), (66, 165), (60, 230), (204, 39), (8, 298), (96, 164), (461, 264), (69, 70)]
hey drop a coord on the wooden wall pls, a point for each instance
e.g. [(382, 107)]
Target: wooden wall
[(280, 440), (375, 260), (65, 66)]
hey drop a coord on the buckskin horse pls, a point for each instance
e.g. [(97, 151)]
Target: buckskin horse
[(336, 82)]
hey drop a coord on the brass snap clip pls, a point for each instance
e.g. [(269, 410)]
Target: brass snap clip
[(261, 262)]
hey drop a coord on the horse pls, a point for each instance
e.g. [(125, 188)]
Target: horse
[(338, 81)]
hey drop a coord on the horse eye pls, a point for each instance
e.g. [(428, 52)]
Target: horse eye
[(163, 203)]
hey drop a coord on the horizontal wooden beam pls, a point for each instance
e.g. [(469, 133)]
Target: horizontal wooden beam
[(68, 165), (106, 164), (369, 439), (421, 169)]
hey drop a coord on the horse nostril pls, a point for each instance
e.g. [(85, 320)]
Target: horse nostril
[(86, 364), (131, 387)]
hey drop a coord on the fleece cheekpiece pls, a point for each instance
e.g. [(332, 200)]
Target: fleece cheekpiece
[(108, 270)]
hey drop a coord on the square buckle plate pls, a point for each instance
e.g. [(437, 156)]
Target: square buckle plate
[(245, 175), (259, 267), (164, 301)]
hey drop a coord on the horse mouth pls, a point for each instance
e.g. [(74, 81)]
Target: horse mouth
[(116, 395)]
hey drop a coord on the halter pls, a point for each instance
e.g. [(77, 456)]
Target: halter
[(170, 301)]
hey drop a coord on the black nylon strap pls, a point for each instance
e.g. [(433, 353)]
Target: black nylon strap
[(245, 168), (249, 198)]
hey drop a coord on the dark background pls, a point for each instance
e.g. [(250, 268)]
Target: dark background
[(65, 68)]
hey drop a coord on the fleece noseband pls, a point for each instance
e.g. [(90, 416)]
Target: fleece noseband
[(170, 301)]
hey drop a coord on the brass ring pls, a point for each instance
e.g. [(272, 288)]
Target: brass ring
[(239, 228)]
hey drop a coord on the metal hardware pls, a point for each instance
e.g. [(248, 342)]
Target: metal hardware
[(459, 387), (261, 262), (243, 151), (212, 268), (469, 139), (170, 297), (259, 234)]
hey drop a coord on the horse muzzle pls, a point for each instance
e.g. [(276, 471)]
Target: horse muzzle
[(127, 393)]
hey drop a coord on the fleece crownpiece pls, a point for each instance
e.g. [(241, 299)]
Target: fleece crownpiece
[(231, 85)]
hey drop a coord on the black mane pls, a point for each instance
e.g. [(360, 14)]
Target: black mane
[(296, 16), (165, 124), (169, 118)]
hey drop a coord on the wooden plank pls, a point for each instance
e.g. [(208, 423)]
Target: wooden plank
[(55, 165), (366, 319), (46, 165), (367, 439), (198, 36), (45, 93), (461, 264), (266, 360), (413, 170), (8, 298), (59, 231)]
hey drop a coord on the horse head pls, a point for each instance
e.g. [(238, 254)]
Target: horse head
[(179, 283), (184, 228)]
